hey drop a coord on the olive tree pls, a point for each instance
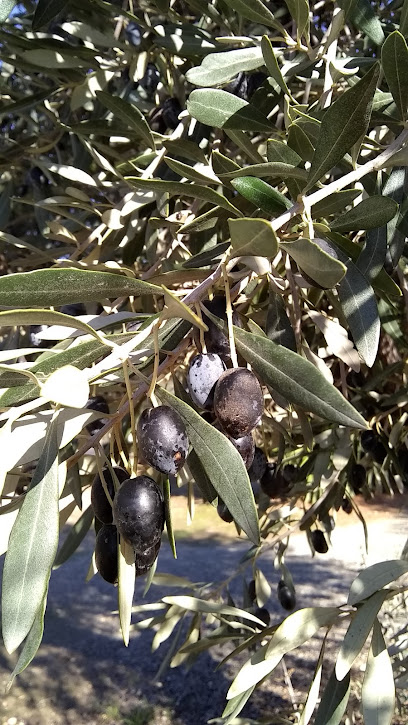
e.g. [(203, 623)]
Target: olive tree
[(203, 215)]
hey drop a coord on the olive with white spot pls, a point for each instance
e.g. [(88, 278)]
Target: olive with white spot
[(162, 439), (238, 401), (202, 377), (144, 560)]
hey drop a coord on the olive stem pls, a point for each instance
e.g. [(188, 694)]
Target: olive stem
[(234, 358), (201, 331), (98, 457), (133, 464), (150, 392)]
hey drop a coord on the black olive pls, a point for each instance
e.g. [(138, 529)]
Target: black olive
[(258, 466), (171, 110), (245, 447), (138, 512), (238, 401), (379, 452), (162, 439), (273, 483), (98, 403), (223, 512), (357, 477), (151, 79), (289, 473), (286, 596), (369, 440), (100, 504), (74, 309), (263, 614), (202, 377), (144, 560), (134, 34), (346, 505), (319, 542), (106, 553)]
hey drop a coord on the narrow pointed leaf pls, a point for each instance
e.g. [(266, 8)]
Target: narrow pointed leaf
[(272, 64), (217, 68), (75, 537), (334, 701), (31, 644), (300, 12), (174, 188), (320, 266), (372, 256), (32, 547), (314, 689), (359, 306), (369, 214), (277, 169), (169, 525), (374, 578), (221, 109), (343, 124), (357, 633), (192, 604), (296, 379), (378, 693), (394, 59), (278, 327), (256, 11), (261, 194), (128, 114), (45, 11), (61, 286), (363, 16), (334, 202), (213, 449), (279, 152), (253, 237)]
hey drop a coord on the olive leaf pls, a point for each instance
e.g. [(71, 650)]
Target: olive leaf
[(217, 68), (378, 693)]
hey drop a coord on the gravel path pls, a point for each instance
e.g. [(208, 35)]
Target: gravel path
[(84, 675)]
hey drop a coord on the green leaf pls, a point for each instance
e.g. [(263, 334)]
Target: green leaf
[(253, 237), (204, 259), (378, 692), (31, 644), (320, 266), (343, 124), (278, 327), (191, 173), (61, 286), (129, 114), (394, 59), (175, 188), (255, 11), (334, 203), (363, 16), (296, 629), (261, 194), (32, 547), (45, 11), (404, 19), (369, 214), (372, 255), (44, 317), (300, 12), (192, 604), (6, 7), (296, 379), (374, 578), (359, 307), (221, 109), (218, 68), (357, 633), (184, 40), (76, 535), (314, 689), (272, 64), (334, 701), (200, 477), (213, 449), (278, 169), (279, 152)]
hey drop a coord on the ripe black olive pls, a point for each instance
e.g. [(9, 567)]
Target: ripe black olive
[(171, 110), (379, 452), (223, 512), (263, 614), (162, 439), (151, 79), (286, 596), (98, 403), (100, 504), (134, 34), (245, 447), (369, 440), (258, 466), (202, 377), (106, 553), (319, 542), (346, 505), (357, 477), (74, 309), (145, 559), (252, 591), (273, 482), (238, 401), (138, 512)]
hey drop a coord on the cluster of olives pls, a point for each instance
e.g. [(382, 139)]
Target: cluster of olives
[(137, 514), (286, 597)]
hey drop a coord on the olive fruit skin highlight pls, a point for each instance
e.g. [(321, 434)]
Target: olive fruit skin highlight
[(138, 512)]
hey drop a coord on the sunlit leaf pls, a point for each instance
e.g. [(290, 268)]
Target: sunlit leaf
[(253, 237), (357, 633), (378, 692), (221, 109), (217, 68), (375, 577)]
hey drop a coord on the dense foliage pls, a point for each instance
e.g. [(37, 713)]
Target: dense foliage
[(203, 217)]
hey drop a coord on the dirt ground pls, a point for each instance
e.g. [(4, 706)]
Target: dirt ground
[(84, 675)]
